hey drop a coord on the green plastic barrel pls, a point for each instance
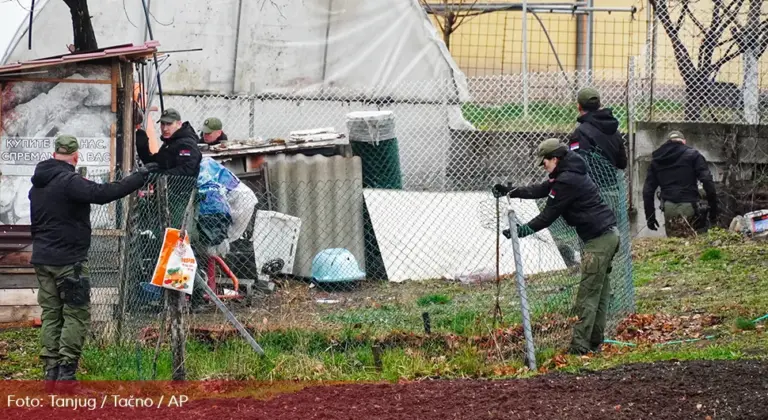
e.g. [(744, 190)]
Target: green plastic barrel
[(372, 138)]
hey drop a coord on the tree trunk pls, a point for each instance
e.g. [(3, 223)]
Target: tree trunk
[(449, 21), (82, 29)]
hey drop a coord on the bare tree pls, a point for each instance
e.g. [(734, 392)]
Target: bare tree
[(729, 29), (451, 14), (82, 29)]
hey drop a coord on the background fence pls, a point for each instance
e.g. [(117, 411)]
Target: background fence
[(415, 213)]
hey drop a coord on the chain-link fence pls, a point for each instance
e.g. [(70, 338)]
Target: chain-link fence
[(342, 263)]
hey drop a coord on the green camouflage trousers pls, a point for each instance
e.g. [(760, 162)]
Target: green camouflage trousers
[(679, 219), (65, 299), (594, 293)]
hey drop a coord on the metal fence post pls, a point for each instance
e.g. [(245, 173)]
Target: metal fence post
[(529, 348)]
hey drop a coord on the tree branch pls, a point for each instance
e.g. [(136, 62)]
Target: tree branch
[(437, 15), (682, 57), (464, 15), (728, 57)]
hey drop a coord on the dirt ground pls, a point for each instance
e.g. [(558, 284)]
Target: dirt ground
[(664, 390)]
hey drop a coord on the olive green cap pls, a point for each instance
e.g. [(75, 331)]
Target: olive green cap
[(66, 144), (675, 135), (588, 95), (211, 124), (547, 147), (170, 115)]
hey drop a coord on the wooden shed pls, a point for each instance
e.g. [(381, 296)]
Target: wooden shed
[(89, 95)]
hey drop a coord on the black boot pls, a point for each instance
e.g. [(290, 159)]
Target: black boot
[(51, 375), (67, 371)]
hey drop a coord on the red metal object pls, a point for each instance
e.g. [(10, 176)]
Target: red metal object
[(212, 262)]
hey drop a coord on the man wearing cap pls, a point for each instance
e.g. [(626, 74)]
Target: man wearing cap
[(179, 154), (597, 131), (572, 194), (60, 211), (212, 132), (677, 168)]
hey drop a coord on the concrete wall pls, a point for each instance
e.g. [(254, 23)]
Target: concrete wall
[(708, 139)]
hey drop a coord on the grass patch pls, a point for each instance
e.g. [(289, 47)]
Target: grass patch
[(711, 254), (436, 299)]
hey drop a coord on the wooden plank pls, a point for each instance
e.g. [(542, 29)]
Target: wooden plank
[(1, 108), (108, 232), (54, 80), (112, 148), (28, 297), (18, 281), (19, 313), (114, 86)]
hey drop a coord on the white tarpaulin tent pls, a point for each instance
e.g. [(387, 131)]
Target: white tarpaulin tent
[(274, 46)]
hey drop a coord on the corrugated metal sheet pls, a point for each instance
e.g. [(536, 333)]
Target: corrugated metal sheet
[(127, 50), (327, 194)]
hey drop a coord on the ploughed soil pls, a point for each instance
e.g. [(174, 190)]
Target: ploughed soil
[(663, 390)]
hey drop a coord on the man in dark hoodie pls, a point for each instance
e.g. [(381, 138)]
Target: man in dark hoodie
[(212, 132), (179, 154), (677, 169), (60, 208), (573, 195), (597, 131)]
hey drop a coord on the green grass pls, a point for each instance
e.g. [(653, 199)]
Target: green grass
[(541, 116), (436, 299), (718, 274)]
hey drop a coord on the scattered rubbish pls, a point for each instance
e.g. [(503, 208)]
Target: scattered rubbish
[(316, 134), (330, 301)]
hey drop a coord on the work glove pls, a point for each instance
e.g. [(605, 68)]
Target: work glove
[(522, 232), (147, 169), (652, 223), (499, 190)]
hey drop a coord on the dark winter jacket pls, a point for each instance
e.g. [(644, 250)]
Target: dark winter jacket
[(598, 132), (572, 194), (60, 208), (677, 168), (178, 155)]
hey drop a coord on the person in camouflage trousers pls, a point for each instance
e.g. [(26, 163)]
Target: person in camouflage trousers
[(60, 211), (676, 169), (572, 194)]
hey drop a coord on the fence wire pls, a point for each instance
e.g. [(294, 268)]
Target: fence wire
[(339, 264)]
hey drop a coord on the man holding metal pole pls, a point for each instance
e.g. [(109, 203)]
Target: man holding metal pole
[(573, 195)]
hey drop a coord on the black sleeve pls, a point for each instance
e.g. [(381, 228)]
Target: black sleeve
[(621, 159), (560, 198), (142, 147), (533, 191), (87, 191), (705, 177), (649, 189), (188, 158)]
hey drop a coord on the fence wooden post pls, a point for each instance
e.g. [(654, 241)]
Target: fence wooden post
[(175, 300)]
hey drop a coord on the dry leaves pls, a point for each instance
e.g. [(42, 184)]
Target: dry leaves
[(659, 328)]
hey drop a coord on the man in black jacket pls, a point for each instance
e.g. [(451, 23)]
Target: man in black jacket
[(179, 154), (573, 195), (60, 210), (597, 131), (677, 169)]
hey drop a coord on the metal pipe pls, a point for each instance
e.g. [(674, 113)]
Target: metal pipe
[(525, 59), (511, 7), (237, 42), (590, 39), (527, 331)]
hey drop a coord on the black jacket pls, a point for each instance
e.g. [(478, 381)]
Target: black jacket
[(60, 208), (572, 194), (677, 168), (178, 155), (598, 132)]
